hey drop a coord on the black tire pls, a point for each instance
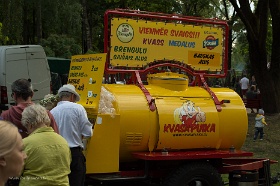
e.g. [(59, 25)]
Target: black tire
[(195, 174)]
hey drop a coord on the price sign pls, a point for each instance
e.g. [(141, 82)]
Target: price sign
[(86, 74)]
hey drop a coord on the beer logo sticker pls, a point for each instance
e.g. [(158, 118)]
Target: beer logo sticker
[(125, 32), (210, 42)]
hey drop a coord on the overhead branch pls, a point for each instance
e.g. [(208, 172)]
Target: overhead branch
[(246, 15)]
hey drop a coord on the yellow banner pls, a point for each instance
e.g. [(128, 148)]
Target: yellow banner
[(135, 43), (86, 74)]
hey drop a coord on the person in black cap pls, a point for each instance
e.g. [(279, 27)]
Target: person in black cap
[(22, 94)]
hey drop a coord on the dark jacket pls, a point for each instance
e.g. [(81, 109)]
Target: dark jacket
[(14, 116), (251, 94)]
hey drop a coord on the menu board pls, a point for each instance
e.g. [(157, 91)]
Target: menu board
[(86, 74)]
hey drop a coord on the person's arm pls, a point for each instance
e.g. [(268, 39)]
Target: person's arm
[(53, 123), (86, 125), (263, 121)]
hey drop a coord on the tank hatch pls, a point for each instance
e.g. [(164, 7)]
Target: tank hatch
[(169, 80)]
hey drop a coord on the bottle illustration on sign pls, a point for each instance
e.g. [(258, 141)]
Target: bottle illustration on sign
[(89, 94)]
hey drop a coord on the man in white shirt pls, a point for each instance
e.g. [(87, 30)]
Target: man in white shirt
[(244, 84), (73, 124)]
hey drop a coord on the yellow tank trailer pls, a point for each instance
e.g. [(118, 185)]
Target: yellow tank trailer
[(152, 122), (185, 118)]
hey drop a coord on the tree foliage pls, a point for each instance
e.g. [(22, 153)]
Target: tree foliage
[(3, 39), (12, 22), (34, 21), (69, 27), (256, 19), (60, 46), (198, 8)]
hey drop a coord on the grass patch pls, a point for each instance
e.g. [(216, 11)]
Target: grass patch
[(269, 147)]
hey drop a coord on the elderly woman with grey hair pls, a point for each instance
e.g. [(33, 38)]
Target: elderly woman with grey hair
[(48, 155)]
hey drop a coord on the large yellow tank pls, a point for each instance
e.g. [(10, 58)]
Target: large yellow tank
[(185, 118)]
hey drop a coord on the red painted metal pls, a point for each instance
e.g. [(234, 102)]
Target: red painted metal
[(132, 173), (151, 101), (242, 164), (214, 97), (191, 155), (230, 161)]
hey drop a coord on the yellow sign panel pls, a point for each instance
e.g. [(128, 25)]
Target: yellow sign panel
[(135, 43), (86, 74), (200, 60)]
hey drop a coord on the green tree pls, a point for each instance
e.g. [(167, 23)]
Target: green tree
[(61, 46), (240, 52), (198, 8), (3, 39), (256, 20), (62, 17), (161, 6), (12, 20)]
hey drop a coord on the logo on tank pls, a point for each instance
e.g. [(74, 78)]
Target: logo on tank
[(189, 121)]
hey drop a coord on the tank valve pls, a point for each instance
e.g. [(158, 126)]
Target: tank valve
[(232, 149), (164, 151)]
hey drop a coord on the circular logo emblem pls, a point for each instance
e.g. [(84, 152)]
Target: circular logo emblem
[(125, 33), (210, 42)]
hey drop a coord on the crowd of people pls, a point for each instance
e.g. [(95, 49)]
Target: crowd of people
[(243, 84), (42, 145)]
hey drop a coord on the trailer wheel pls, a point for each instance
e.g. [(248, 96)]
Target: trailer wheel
[(195, 174)]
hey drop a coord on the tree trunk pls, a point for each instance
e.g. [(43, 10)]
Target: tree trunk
[(264, 79), (38, 22), (274, 6), (87, 41), (256, 25), (229, 48), (25, 23), (6, 18), (228, 79)]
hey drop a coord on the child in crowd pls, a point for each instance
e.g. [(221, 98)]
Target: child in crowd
[(259, 125)]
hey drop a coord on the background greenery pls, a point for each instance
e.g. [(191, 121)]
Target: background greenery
[(70, 27), (269, 147)]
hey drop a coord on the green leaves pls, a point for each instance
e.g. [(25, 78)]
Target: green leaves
[(61, 46), (3, 39)]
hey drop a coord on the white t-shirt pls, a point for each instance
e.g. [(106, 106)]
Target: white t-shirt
[(72, 122), (244, 82)]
